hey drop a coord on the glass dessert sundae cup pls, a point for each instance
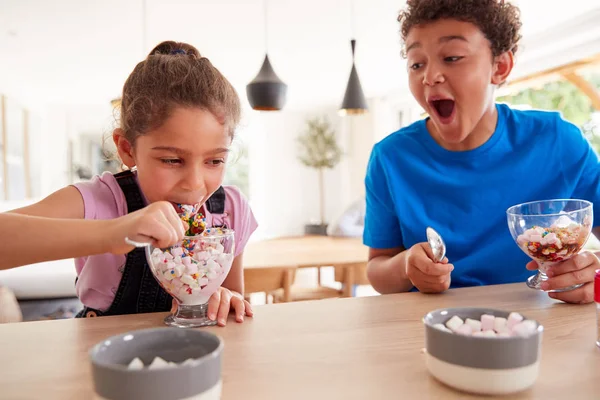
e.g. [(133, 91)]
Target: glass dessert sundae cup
[(550, 231)]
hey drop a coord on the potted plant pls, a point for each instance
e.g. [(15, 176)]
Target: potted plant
[(319, 150)]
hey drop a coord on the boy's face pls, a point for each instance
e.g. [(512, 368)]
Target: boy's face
[(452, 75)]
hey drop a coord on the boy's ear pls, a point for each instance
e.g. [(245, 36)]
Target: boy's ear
[(124, 148), (503, 65)]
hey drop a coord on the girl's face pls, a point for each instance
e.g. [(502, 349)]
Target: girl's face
[(182, 161), (452, 74)]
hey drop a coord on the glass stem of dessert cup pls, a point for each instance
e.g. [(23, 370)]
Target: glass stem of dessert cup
[(190, 316), (535, 281)]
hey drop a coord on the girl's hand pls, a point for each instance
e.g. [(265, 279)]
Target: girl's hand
[(221, 302), (578, 269), (158, 223)]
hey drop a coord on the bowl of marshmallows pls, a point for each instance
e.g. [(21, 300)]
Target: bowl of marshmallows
[(482, 351)]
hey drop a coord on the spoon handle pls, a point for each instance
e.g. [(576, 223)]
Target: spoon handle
[(136, 244)]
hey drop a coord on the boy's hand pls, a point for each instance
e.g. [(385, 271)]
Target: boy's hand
[(578, 269), (425, 274)]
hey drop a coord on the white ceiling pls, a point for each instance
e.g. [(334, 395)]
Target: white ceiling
[(81, 51)]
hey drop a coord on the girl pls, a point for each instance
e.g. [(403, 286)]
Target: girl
[(178, 117)]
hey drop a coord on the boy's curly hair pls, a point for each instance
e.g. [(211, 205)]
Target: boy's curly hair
[(499, 20)]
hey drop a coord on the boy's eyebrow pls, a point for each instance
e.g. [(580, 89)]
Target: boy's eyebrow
[(413, 46), (443, 39)]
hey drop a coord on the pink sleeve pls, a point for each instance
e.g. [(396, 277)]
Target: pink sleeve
[(242, 219), (102, 197)]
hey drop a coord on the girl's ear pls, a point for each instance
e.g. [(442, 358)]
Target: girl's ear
[(124, 148)]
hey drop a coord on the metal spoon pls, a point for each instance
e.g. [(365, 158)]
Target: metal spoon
[(438, 247), (136, 244)]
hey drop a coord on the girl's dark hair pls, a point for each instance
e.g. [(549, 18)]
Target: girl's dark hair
[(175, 75)]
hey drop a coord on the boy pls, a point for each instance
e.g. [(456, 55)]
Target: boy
[(460, 169)]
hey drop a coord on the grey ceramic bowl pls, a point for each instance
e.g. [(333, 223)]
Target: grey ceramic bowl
[(481, 365), (202, 380)]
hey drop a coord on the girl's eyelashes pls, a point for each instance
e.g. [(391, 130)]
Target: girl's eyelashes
[(171, 161)]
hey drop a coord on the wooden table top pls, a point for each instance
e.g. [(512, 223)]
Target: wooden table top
[(305, 251), (353, 348)]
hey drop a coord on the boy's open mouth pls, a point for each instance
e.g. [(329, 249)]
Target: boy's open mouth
[(443, 107)]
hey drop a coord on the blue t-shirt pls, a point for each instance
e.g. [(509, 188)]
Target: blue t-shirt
[(412, 182)]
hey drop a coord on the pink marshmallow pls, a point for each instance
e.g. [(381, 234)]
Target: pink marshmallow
[(487, 322), (535, 238)]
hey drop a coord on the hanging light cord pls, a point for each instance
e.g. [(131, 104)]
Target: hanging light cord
[(266, 26), (144, 29)]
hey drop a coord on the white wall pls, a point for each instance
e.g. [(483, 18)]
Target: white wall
[(284, 193)]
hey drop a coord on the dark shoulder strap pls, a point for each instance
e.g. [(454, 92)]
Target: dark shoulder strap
[(131, 190), (216, 203)]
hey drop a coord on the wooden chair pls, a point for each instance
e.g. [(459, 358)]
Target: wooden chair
[(269, 280), (348, 275)]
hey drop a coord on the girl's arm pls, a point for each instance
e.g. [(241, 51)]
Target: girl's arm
[(51, 229), (54, 229), (26, 239)]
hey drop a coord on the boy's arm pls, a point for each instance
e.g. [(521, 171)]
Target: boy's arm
[(386, 270)]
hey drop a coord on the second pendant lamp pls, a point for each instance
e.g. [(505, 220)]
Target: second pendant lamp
[(354, 100), (266, 92)]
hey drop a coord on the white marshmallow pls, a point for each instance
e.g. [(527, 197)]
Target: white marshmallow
[(487, 322), (158, 363), (136, 363), (464, 329), (212, 265), (201, 256), (513, 319), (488, 334), (187, 261), (525, 328), (474, 324), (177, 252), (212, 274), (189, 361), (168, 275), (500, 324), (454, 323), (157, 252), (188, 280), (441, 327)]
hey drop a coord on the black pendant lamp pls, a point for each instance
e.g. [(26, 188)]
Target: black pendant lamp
[(266, 92), (354, 102)]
